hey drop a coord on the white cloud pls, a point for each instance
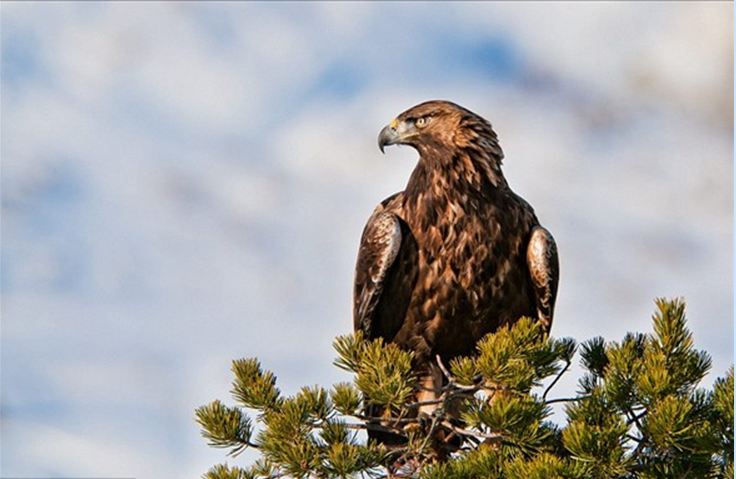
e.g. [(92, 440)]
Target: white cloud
[(49, 450)]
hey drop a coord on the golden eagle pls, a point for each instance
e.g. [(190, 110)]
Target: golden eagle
[(457, 253)]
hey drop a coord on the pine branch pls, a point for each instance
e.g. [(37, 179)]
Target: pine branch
[(638, 393)]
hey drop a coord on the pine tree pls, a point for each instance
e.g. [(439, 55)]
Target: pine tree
[(638, 412)]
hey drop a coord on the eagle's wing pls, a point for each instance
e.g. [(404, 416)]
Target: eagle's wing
[(544, 269), (385, 275)]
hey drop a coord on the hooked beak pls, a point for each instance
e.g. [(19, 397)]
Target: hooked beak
[(388, 136), (397, 132)]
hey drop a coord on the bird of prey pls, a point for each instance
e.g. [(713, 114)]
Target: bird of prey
[(455, 255)]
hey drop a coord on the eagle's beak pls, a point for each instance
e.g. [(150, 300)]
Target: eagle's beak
[(393, 134), (388, 136)]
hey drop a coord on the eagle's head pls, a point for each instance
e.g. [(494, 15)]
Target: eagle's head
[(441, 126)]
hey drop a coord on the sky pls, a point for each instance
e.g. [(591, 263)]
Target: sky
[(184, 184)]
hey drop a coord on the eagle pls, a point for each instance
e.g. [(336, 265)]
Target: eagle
[(457, 254)]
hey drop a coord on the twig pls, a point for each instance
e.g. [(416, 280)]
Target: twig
[(579, 398), (400, 419), (375, 427), (557, 378), (470, 433), (633, 418), (428, 402), (443, 368), (431, 431), (639, 447), (452, 382)]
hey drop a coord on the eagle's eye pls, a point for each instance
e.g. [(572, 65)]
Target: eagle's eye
[(422, 122)]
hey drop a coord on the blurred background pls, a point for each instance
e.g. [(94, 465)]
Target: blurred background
[(186, 183)]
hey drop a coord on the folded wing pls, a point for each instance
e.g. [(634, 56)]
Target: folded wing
[(385, 275), (541, 257)]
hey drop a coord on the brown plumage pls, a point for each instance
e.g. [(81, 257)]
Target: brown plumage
[(457, 253)]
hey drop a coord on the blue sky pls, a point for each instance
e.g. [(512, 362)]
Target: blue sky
[(186, 183)]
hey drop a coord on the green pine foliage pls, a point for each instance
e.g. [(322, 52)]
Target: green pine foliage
[(638, 412)]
